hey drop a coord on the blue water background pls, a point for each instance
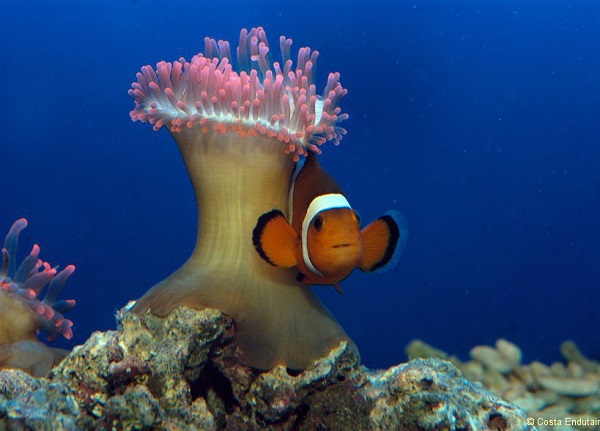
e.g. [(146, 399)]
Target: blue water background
[(478, 120)]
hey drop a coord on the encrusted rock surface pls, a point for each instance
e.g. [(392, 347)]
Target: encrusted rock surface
[(564, 396), (433, 394), (184, 372), (27, 403)]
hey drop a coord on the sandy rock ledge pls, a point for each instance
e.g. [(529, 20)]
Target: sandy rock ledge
[(184, 372)]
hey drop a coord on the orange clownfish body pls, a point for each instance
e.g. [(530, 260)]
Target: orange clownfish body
[(323, 238)]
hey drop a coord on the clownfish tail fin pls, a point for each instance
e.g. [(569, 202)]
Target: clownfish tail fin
[(383, 241), (274, 239)]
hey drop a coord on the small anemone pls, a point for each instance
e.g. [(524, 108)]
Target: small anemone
[(26, 282)]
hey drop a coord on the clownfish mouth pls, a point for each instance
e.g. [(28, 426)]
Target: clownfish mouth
[(342, 245)]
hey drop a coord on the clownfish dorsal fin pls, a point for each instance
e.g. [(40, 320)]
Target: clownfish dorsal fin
[(275, 240), (383, 241), (308, 182)]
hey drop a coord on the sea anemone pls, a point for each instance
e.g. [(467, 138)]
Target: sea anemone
[(23, 314), (240, 134)]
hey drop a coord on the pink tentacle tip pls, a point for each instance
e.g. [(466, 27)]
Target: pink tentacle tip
[(208, 90), (49, 312), (65, 329), (35, 250), (70, 269)]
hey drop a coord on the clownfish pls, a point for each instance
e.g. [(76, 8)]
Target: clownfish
[(323, 238)]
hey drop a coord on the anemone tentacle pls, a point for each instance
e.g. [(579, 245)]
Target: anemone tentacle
[(261, 98), (26, 282)]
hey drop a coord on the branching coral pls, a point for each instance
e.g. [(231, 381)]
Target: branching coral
[(23, 313)]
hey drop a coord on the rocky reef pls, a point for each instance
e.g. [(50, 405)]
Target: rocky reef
[(564, 396), (184, 372)]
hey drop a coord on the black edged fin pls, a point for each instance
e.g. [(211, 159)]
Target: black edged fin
[(274, 239), (383, 242)]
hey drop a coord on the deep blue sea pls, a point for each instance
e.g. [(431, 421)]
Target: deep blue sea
[(478, 120)]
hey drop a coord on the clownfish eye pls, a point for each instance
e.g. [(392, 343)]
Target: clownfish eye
[(318, 223)]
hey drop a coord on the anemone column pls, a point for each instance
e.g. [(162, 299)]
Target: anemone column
[(239, 135), (279, 320)]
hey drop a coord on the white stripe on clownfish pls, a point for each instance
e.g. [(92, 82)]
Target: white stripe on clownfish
[(319, 204)]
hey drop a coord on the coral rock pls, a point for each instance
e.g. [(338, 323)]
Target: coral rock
[(562, 390), (432, 394), (501, 359), (185, 372), (36, 404), (419, 349), (569, 386)]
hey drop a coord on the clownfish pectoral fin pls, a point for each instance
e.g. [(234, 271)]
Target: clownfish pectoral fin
[(338, 288), (275, 240), (383, 241)]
